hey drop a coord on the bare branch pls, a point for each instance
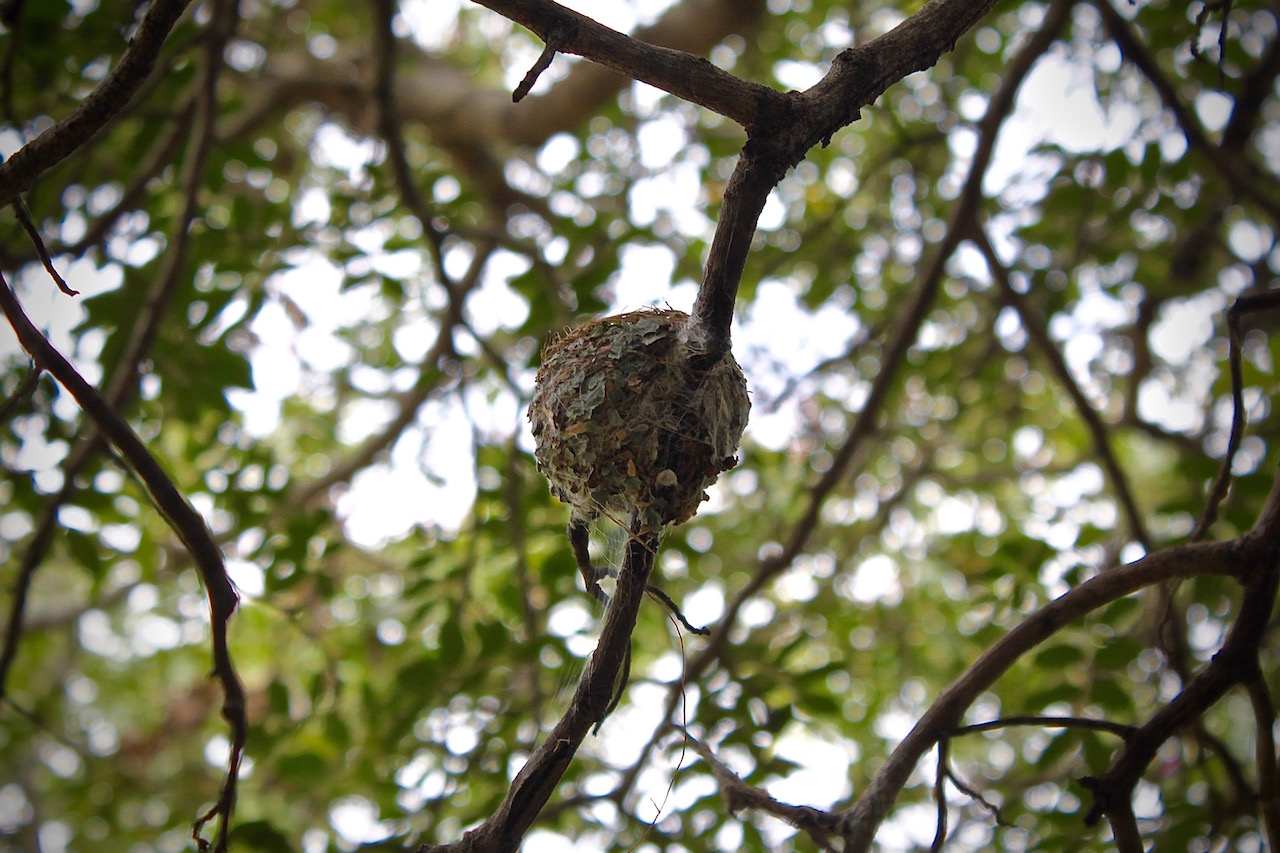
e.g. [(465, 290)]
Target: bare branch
[(866, 422), (25, 388), (940, 798), (24, 218), (1258, 558), (1262, 300), (122, 380), (1049, 722), (738, 795)]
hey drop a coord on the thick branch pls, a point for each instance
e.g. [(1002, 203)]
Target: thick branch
[(1235, 663), (781, 139), (1264, 715), (905, 332)]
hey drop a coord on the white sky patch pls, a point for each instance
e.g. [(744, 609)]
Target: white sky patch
[(355, 819), (337, 149), (558, 152), (494, 305), (429, 480), (875, 580), (56, 314), (1176, 413), (797, 75), (431, 23), (644, 276), (1213, 108), (774, 214), (414, 338), (823, 776), (1060, 98), (1184, 328), (798, 338), (248, 577), (674, 192), (777, 339), (1057, 103), (706, 604), (660, 140), (646, 98), (546, 841), (954, 515), (311, 206), (1250, 241)]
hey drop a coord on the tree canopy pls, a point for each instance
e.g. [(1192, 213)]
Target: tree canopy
[(995, 568)]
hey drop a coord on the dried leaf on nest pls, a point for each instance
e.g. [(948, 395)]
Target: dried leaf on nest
[(624, 424)]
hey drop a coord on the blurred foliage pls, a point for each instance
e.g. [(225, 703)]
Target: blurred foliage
[(412, 619)]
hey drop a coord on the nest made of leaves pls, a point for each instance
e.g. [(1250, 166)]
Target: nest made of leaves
[(625, 427)]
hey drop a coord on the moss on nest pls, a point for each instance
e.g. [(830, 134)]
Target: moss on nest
[(624, 426)]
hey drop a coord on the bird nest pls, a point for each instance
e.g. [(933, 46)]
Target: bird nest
[(625, 427)]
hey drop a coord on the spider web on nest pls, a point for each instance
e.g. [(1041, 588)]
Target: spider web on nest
[(609, 539)]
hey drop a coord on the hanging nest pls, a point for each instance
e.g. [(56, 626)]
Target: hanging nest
[(625, 427)]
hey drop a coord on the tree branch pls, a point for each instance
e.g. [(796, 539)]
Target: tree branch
[(48, 149), (537, 780), (1264, 715), (690, 77), (1235, 663), (1246, 303), (738, 795), (861, 820), (179, 514), (905, 332)]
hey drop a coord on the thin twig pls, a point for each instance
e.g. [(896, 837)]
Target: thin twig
[(940, 774), (1246, 303), (557, 35), (25, 388), (1048, 722), (541, 774), (690, 77), (1264, 716), (24, 217), (975, 795), (819, 825)]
